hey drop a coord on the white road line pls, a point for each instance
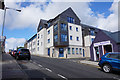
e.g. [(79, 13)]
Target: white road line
[(48, 69), (62, 76), (116, 78), (34, 62), (39, 65)]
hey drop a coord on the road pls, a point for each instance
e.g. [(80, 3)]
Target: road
[(52, 68)]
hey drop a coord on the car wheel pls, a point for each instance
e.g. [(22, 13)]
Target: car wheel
[(28, 58), (106, 68)]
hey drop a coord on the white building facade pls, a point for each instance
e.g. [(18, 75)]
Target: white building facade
[(60, 37)]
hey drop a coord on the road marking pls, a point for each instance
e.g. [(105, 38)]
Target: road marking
[(39, 65), (34, 62), (116, 78), (62, 76), (48, 69)]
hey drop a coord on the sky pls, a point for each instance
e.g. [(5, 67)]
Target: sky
[(21, 26)]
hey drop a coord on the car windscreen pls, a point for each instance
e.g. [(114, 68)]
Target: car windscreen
[(25, 50)]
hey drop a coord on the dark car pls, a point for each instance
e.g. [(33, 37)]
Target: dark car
[(23, 53), (14, 52), (110, 62)]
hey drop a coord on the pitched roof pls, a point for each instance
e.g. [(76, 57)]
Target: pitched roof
[(67, 10), (113, 35), (32, 38)]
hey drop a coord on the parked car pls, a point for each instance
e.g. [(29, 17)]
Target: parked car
[(23, 53), (110, 62), (14, 52)]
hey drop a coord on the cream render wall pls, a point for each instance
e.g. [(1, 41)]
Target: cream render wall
[(50, 36), (32, 46), (42, 42), (87, 40), (75, 34)]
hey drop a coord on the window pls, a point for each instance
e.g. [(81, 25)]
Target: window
[(41, 43), (70, 20), (56, 27), (80, 51), (48, 40), (38, 48), (68, 50), (33, 43), (77, 38), (63, 27), (73, 52), (92, 32), (70, 27), (56, 38), (70, 37), (114, 56), (48, 24), (63, 37), (40, 27), (77, 29), (92, 39), (38, 42), (48, 31), (38, 36), (76, 50), (41, 36)]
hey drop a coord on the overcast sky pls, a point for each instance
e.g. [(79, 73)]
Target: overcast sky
[(20, 26)]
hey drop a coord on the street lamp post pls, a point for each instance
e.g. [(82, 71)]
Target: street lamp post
[(5, 15), (2, 39)]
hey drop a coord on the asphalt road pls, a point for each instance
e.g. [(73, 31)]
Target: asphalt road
[(42, 68)]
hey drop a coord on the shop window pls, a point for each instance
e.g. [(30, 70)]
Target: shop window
[(68, 50), (76, 50), (73, 51)]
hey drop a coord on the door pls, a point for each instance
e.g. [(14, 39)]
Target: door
[(97, 53), (83, 53), (48, 51), (61, 52)]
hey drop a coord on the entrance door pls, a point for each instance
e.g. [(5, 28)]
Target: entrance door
[(107, 48), (97, 53), (61, 52), (83, 53), (48, 51)]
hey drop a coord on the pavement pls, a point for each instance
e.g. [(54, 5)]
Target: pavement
[(86, 61), (11, 69)]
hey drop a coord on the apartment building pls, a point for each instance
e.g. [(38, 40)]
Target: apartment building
[(88, 36), (63, 36), (31, 44)]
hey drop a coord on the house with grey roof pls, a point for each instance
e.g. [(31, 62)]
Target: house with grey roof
[(103, 43)]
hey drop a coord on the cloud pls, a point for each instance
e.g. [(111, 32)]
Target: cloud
[(111, 22), (30, 15), (12, 43)]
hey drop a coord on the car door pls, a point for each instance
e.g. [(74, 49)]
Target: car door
[(118, 61), (114, 61)]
